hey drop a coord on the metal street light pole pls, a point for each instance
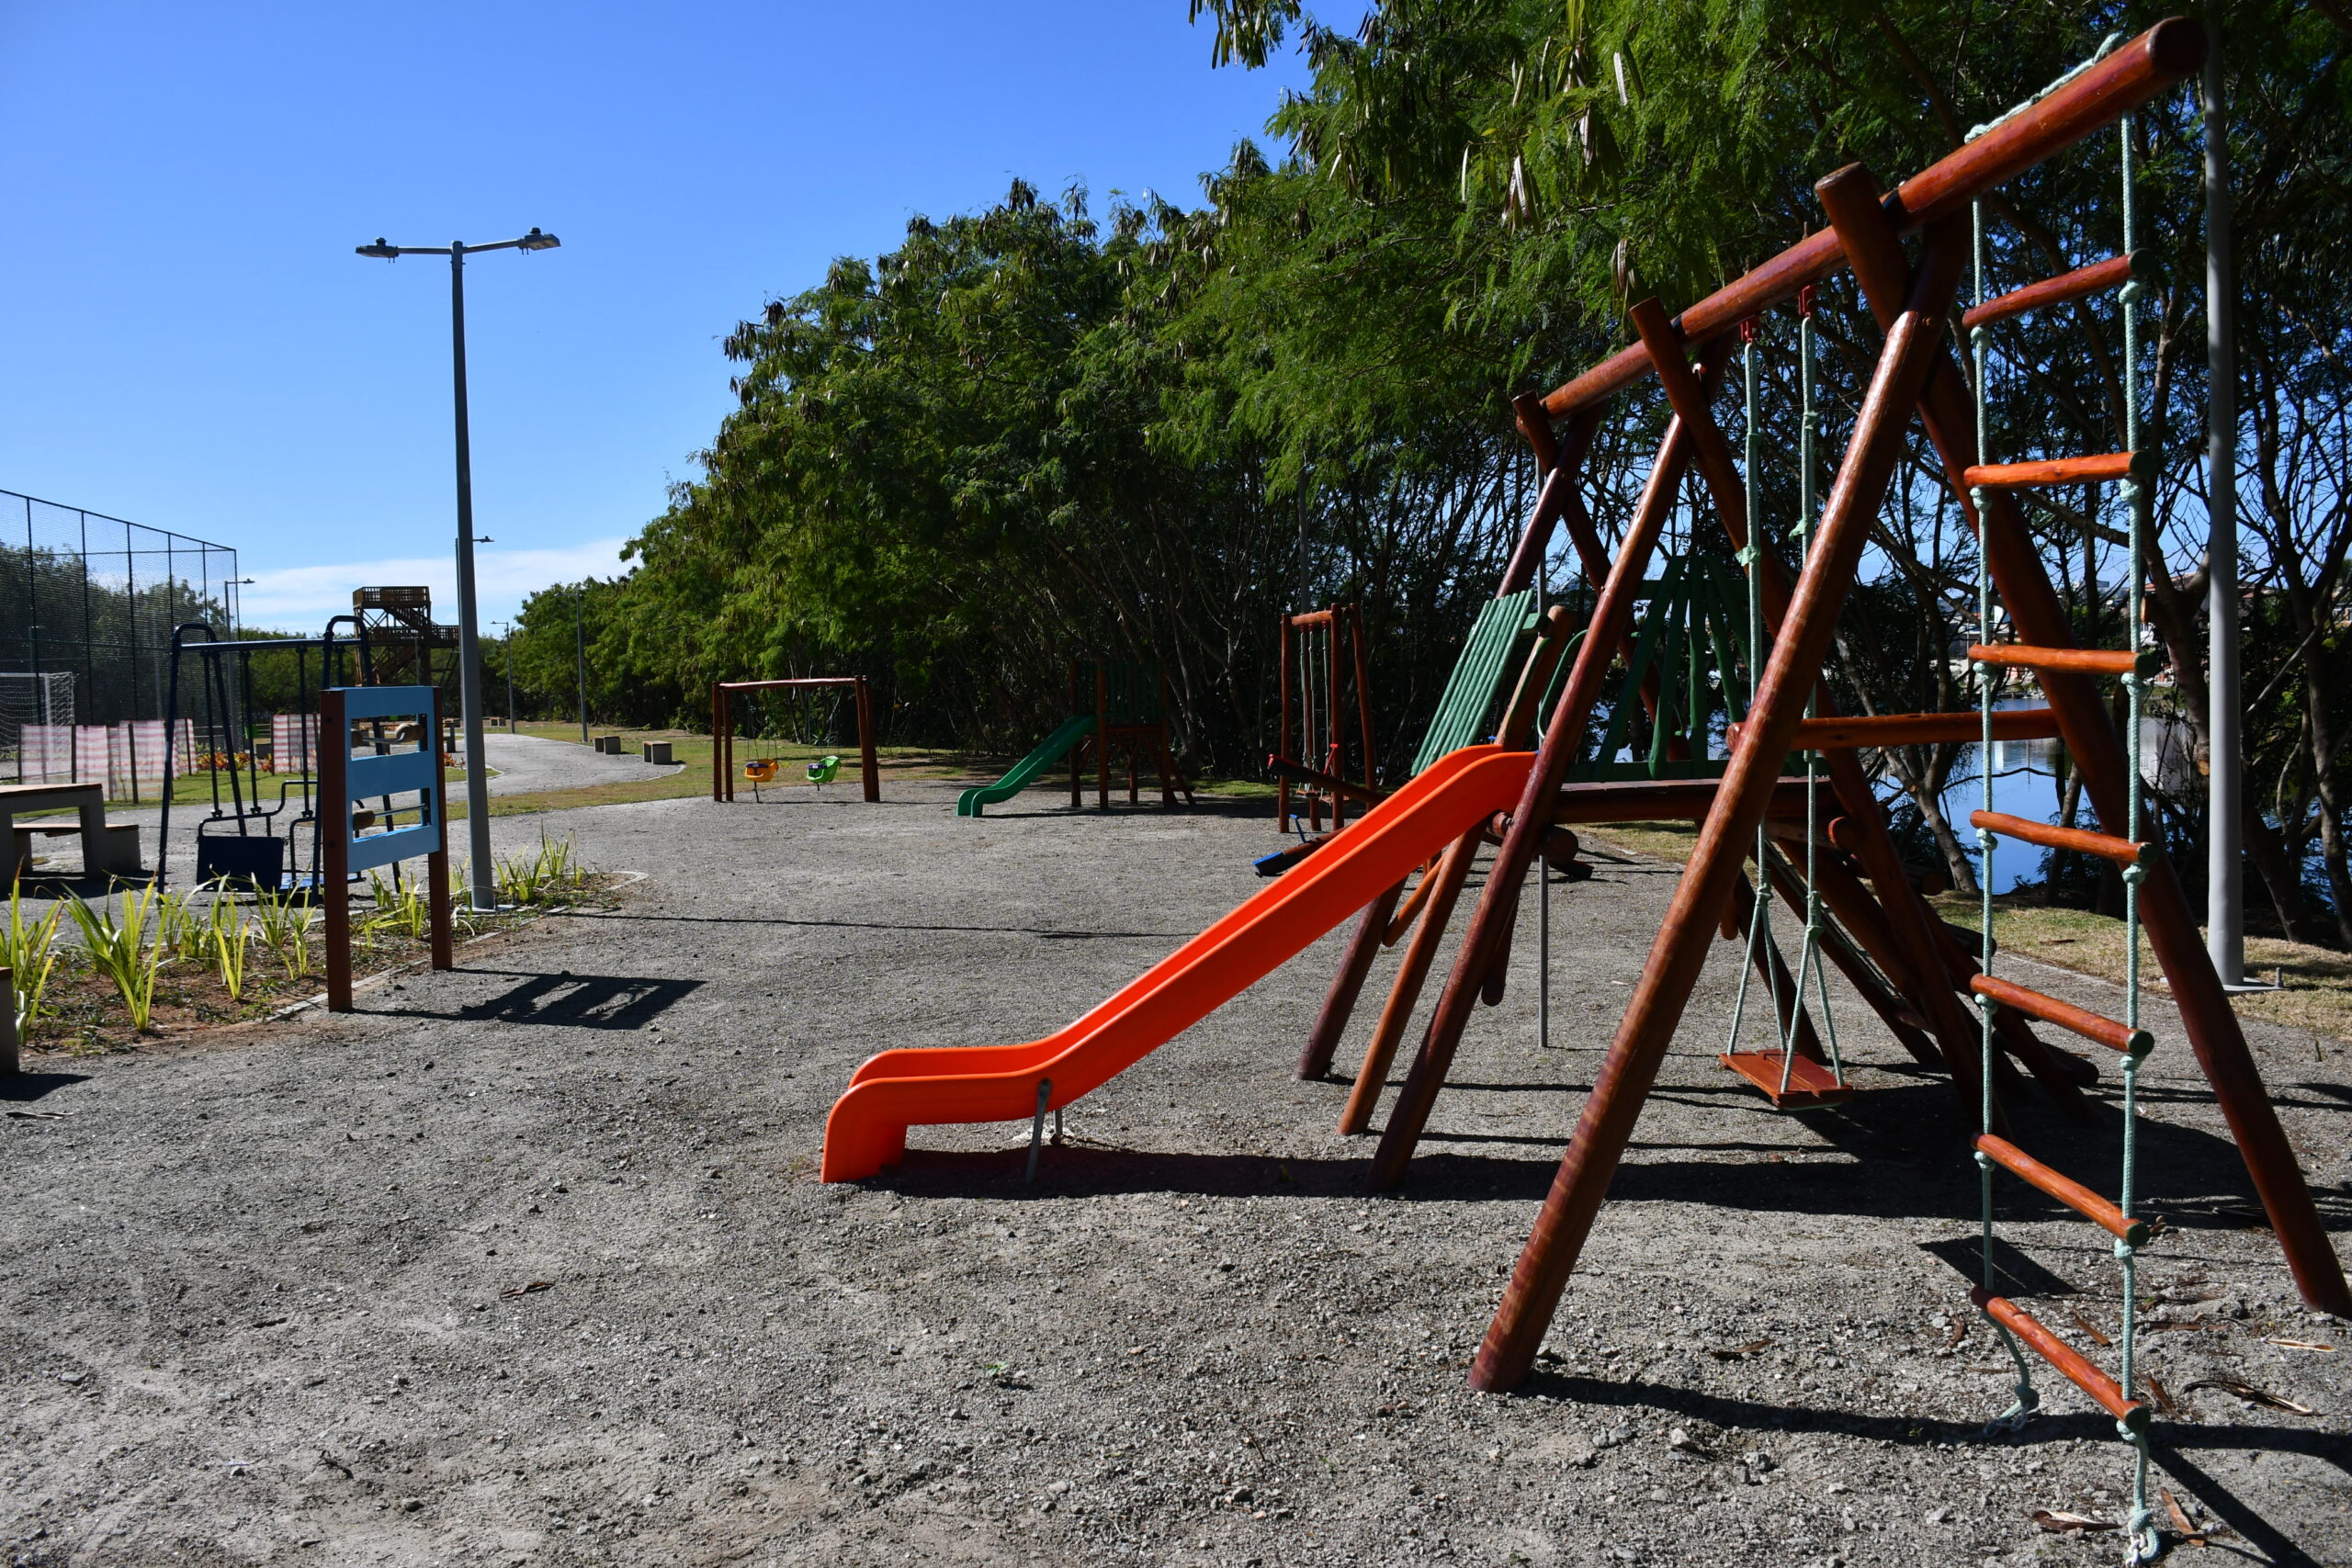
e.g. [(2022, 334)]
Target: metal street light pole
[(483, 892), (506, 657), (580, 646)]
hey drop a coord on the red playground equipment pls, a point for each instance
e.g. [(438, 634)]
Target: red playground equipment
[(722, 729), (1770, 793), (1322, 652)]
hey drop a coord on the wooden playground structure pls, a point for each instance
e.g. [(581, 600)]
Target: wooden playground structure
[(722, 727), (1130, 708), (1790, 798), (1925, 984), (1322, 655)]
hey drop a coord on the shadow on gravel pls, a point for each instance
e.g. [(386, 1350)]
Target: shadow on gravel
[(2226, 1506), (1049, 933), (2168, 1440), (1898, 1171), (576, 1001), (28, 1086), (1235, 810)]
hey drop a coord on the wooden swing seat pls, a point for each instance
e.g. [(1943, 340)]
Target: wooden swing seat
[(1810, 1083)]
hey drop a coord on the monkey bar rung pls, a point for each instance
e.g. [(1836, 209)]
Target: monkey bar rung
[(2067, 287), (2093, 1027), (2080, 840)]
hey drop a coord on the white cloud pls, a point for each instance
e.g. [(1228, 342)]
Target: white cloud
[(300, 598)]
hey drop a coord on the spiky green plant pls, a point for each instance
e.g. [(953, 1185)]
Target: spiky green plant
[(29, 950), (232, 940), (121, 950), (285, 920), (179, 926), (538, 877)]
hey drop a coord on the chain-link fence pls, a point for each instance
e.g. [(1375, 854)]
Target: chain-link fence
[(87, 603)]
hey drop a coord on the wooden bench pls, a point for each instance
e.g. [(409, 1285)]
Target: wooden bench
[(89, 802), (117, 847)]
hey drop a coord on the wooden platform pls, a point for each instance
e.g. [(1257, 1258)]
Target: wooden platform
[(1809, 1082)]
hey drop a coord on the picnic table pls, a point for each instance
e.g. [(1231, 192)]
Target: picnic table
[(103, 847)]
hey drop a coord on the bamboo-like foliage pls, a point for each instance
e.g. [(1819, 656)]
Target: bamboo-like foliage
[(1028, 434)]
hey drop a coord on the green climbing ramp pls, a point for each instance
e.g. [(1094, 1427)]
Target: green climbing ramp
[(1051, 750)]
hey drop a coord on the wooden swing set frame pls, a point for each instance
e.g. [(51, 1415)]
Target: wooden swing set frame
[(1936, 980)]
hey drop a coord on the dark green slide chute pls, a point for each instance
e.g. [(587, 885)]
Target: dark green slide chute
[(1051, 750)]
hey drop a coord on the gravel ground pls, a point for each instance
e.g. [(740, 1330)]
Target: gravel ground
[(527, 1263), (528, 764)]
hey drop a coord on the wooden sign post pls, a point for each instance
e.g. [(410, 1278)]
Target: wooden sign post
[(402, 777)]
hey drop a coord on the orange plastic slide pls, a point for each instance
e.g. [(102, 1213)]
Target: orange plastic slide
[(896, 1090)]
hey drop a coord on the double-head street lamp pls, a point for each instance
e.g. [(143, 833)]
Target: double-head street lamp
[(484, 891)]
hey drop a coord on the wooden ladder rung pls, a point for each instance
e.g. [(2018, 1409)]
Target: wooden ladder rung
[(2065, 1189), (2122, 851), (2069, 661), (1914, 729), (2070, 1362), (2041, 473), (2095, 1027), (1810, 1083), (2067, 287)]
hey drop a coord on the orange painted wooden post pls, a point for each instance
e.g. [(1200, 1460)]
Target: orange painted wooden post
[(717, 751), (1102, 736), (1282, 734), (1335, 752), (867, 761), (1363, 697), (1077, 752)]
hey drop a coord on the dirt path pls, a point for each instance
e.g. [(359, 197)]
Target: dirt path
[(529, 763), (527, 1264)]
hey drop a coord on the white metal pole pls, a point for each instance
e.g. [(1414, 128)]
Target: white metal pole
[(2225, 875)]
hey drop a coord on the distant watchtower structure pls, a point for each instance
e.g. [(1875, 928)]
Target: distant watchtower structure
[(402, 634)]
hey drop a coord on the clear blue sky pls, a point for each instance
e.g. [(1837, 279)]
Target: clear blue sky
[(190, 341)]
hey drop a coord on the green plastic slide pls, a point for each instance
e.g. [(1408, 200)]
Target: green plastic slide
[(1051, 750)]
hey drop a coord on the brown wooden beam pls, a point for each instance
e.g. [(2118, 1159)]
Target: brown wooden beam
[(1489, 933), (1681, 950), (1907, 917), (2167, 53)]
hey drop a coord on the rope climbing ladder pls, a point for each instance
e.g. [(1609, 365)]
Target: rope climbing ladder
[(2134, 470), (1917, 382)]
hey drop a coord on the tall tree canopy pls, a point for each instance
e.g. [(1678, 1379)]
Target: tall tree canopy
[(1031, 434)]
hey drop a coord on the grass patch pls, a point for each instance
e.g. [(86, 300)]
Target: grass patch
[(692, 778), (2317, 981), (1661, 841)]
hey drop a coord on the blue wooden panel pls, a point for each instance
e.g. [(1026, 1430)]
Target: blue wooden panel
[(382, 848), (400, 771), (389, 701)]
